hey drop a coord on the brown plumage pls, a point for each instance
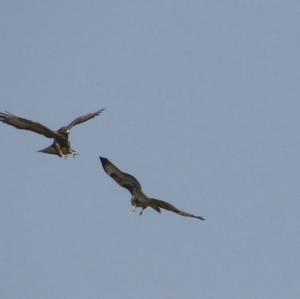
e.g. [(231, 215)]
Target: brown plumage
[(61, 145), (139, 199)]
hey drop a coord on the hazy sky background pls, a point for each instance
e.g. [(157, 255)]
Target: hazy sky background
[(202, 105)]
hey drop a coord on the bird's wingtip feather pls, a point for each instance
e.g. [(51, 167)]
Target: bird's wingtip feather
[(103, 160), (100, 111)]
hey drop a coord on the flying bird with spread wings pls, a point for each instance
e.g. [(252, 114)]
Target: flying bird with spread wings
[(139, 199), (61, 145)]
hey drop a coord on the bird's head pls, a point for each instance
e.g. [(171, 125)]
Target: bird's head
[(133, 201), (64, 131)]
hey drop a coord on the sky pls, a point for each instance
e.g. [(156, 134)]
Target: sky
[(202, 104)]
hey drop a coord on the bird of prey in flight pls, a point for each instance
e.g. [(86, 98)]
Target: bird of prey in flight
[(139, 199), (61, 145)]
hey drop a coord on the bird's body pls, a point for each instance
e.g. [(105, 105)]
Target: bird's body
[(139, 199), (61, 150), (61, 145)]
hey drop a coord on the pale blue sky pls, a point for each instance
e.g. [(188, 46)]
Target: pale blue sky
[(202, 105)]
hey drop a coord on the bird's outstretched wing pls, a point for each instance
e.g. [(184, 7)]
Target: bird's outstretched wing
[(26, 124), (81, 119), (123, 179), (156, 204)]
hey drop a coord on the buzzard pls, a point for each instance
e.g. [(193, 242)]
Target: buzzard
[(139, 199), (61, 145)]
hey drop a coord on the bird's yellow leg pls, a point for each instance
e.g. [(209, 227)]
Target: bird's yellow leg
[(74, 153), (60, 152)]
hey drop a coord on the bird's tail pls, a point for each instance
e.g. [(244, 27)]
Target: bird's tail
[(49, 150)]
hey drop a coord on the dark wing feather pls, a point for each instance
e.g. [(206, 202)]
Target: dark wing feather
[(26, 124), (167, 206), (81, 119), (123, 179)]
